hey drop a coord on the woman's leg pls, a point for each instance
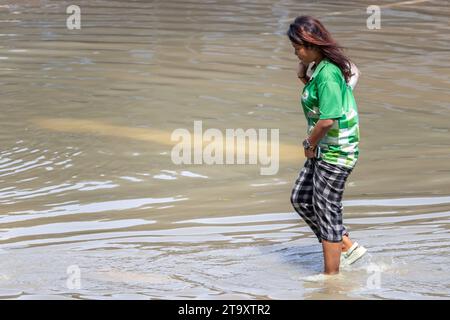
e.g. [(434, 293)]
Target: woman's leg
[(331, 256), (302, 196), (328, 185)]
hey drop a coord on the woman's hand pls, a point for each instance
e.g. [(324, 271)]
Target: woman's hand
[(310, 153), (301, 70)]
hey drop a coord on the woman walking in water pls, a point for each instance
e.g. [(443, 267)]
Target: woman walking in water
[(331, 145)]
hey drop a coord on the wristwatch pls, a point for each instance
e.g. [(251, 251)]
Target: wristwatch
[(307, 145)]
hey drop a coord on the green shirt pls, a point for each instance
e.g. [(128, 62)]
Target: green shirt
[(327, 96)]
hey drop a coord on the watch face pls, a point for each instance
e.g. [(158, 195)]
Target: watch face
[(305, 144)]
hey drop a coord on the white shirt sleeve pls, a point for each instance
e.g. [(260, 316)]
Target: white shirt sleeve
[(355, 76)]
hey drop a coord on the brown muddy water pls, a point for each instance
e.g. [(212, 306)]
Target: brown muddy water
[(87, 181)]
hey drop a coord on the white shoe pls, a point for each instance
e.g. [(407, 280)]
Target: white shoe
[(353, 254)]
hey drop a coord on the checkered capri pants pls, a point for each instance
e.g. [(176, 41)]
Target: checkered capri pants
[(317, 196)]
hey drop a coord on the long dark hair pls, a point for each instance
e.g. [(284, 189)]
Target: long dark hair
[(310, 32)]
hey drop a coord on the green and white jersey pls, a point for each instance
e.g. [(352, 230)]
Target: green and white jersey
[(327, 96)]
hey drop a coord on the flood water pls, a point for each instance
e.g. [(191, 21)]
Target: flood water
[(87, 180)]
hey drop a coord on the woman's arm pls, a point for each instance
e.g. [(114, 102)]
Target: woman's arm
[(302, 72), (304, 79), (320, 130)]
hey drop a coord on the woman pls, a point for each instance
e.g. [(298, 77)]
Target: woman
[(331, 145)]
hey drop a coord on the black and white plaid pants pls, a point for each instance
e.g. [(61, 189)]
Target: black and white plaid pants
[(317, 198)]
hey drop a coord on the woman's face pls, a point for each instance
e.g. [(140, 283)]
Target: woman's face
[(306, 55)]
